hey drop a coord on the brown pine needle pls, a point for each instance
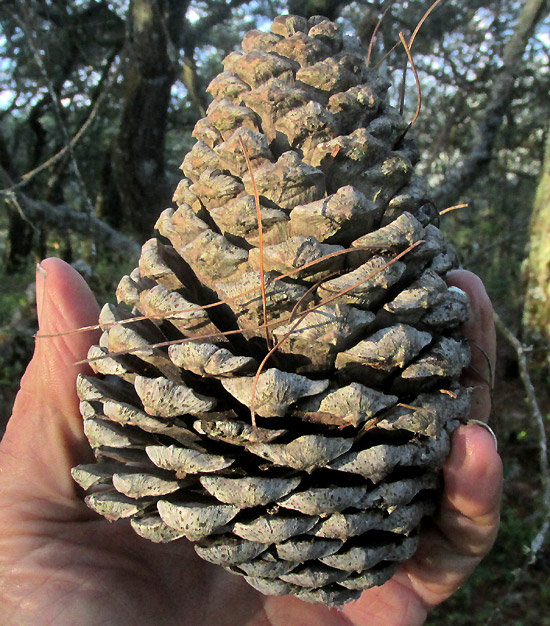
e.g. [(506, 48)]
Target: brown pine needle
[(373, 36), (160, 318), (162, 344), (407, 49), (453, 208), (417, 80), (369, 425), (364, 280), (260, 368), (307, 293), (448, 392), (198, 307), (325, 257), (74, 331), (395, 45), (271, 324), (308, 311), (422, 20), (415, 408), (487, 361), (260, 238)]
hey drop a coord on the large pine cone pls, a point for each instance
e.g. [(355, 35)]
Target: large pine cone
[(312, 477)]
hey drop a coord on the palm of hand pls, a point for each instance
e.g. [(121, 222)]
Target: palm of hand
[(60, 564)]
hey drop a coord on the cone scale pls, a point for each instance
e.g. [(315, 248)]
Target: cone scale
[(310, 474)]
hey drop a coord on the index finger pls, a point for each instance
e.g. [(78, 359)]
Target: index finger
[(479, 330)]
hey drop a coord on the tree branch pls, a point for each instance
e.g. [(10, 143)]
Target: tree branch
[(30, 35), (100, 95), (499, 100), (61, 217), (533, 404), (540, 537), (217, 12)]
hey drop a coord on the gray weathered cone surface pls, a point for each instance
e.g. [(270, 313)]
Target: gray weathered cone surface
[(323, 495)]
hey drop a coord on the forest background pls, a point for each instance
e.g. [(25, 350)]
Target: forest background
[(98, 100)]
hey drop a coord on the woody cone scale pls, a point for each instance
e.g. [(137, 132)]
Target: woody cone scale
[(309, 472)]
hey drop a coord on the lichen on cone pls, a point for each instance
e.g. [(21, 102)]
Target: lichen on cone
[(309, 473)]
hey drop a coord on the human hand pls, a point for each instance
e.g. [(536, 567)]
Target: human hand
[(61, 565)]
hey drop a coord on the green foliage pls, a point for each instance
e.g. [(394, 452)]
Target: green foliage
[(16, 330), (86, 47), (12, 287)]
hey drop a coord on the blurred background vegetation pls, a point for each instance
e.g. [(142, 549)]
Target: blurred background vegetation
[(98, 100)]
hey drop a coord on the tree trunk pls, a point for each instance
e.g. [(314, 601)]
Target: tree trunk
[(140, 191), (536, 312)]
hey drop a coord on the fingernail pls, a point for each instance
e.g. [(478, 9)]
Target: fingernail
[(40, 290), (487, 427)]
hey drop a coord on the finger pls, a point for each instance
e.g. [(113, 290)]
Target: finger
[(480, 332), (395, 602), (465, 528), (44, 436)]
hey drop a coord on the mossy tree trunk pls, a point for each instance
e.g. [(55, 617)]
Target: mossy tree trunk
[(536, 313)]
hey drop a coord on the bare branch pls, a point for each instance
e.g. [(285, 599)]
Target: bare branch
[(102, 91), (539, 539), (62, 217), (499, 100), (217, 13), (533, 404), (30, 37)]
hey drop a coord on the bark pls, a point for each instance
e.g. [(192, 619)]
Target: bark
[(477, 162), (536, 312), (140, 190)]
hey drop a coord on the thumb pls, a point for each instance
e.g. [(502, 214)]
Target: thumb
[(44, 436)]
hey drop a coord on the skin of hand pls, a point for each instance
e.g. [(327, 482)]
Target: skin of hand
[(62, 565)]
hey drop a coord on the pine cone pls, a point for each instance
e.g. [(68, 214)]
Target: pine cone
[(309, 473)]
